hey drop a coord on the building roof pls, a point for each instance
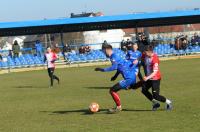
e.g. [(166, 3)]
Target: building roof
[(99, 23)]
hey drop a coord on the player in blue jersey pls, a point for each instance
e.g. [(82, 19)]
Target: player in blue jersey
[(134, 56), (123, 68)]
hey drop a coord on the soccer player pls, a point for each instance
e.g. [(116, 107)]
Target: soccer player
[(134, 56), (123, 67), (50, 57), (152, 79)]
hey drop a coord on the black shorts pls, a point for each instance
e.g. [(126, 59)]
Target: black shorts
[(154, 84), (116, 88)]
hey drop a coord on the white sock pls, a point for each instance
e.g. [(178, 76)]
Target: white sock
[(168, 101)]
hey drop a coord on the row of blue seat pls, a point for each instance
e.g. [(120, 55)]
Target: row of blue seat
[(164, 49), (93, 56), (26, 60)]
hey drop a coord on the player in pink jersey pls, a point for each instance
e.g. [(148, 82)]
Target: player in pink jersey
[(50, 57), (152, 79)]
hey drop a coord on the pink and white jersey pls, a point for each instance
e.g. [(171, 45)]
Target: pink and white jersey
[(50, 58), (152, 64)]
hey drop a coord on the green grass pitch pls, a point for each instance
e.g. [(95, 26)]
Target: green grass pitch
[(28, 105)]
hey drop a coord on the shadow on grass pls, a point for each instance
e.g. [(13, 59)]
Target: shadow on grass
[(81, 111), (102, 111), (141, 110), (98, 88), (29, 87)]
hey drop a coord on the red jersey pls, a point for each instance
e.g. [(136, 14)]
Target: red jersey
[(152, 65)]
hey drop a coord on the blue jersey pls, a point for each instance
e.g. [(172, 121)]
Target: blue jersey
[(134, 55), (121, 65)]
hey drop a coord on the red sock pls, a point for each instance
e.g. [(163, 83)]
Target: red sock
[(116, 98)]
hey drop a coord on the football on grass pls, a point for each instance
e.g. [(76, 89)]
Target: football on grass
[(94, 107)]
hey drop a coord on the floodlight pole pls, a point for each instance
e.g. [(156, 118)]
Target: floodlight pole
[(61, 38), (46, 40), (136, 31), (62, 42), (49, 37)]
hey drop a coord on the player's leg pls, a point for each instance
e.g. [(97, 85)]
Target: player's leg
[(50, 73), (157, 96), (156, 91), (54, 76), (116, 98), (115, 95), (145, 90)]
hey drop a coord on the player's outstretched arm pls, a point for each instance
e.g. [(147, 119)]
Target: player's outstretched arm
[(111, 68), (115, 76)]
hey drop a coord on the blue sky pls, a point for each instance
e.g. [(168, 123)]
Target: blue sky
[(20, 10)]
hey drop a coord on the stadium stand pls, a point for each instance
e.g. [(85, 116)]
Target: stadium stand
[(162, 50), (29, 60)]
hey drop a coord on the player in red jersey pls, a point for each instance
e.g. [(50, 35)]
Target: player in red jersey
[(152, 79), (50, 57)]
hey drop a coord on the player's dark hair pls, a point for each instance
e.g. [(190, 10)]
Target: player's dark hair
[(149, 48), (108, 46), (135, 43)]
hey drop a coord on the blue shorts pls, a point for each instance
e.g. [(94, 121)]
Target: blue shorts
[(125, 84)]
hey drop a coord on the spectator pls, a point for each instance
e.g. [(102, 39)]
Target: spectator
[(128, 42), (87, 49), (184, 42), (104, 44), (181, 42), (142, 41), (84, 49), (38, 48), (123, 46), (195, 40), (81, 50), (66, 49), (129, 46), (16, 49)]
